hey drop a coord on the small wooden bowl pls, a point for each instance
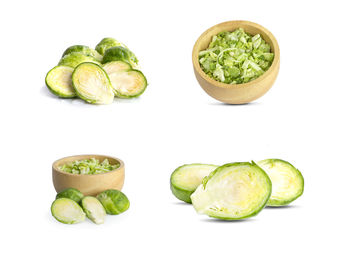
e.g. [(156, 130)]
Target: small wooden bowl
[(89, 185), (236, 93)]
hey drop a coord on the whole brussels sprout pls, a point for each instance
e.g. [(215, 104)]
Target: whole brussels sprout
[(74, 59), (70, 193), (86, 50), (114, 201), (107, 43), (120, 53)]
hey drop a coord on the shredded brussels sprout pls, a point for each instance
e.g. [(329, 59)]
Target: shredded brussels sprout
[(89, 167), (236, 57)]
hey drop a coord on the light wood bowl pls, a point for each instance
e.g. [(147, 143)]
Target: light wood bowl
[(89, 185), (236, 93)]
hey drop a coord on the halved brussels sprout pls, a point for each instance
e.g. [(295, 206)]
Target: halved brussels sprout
[(186, 178), (114, 201), (93, 209), (74, 59), (107, 43), (59, 81), (86, 50), (70, 193), (120, 53), (92, 84), (233, 191), (67, 211), (128, 84), (287, 181), (116, 66)]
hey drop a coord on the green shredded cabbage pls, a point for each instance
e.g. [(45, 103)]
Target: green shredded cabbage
[(89, 167), (236, 57)]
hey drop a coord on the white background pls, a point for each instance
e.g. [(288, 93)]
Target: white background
[(303, 119)]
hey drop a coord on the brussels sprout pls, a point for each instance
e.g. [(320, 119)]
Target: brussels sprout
[(74, 59), (93, 209), (186, 178), (67, 211), (86, 50), (59, 81), (233, 191), (287, 181), (116, 66), (70, 193), (107, 43), (92, 84), (114, 201), (120, 53), (128, 84)]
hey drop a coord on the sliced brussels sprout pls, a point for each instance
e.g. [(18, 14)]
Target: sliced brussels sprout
[(116, 66), (67, 211), (186, 178), (92, 84), (233, 191), (128, 84), (287, 181), (70, 193), (74, 59), (107, 43), (59, 81), (114, 201), (120, 53), (93, 209), (86, 50)]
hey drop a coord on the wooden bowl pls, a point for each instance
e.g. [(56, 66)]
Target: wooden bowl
[(89, 185), (236, 93)]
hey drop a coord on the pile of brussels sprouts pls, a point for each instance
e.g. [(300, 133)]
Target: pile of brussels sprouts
[(97, 75), (237, 190), (71, 206)]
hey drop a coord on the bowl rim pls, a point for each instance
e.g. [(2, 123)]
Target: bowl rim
[(274, 65), (55, 165)]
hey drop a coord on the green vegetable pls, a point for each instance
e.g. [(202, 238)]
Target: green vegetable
[(114, 201), (59, 81), (186, 178), (92, 84), (128, 84), (67, 211), (287, 181), (107, 43), (120, 53), (76, 75), (116, 66), (93, 209), (88, 166), (236, 57), (74, 59), (233, 191), (70, 193), (83, 49)]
